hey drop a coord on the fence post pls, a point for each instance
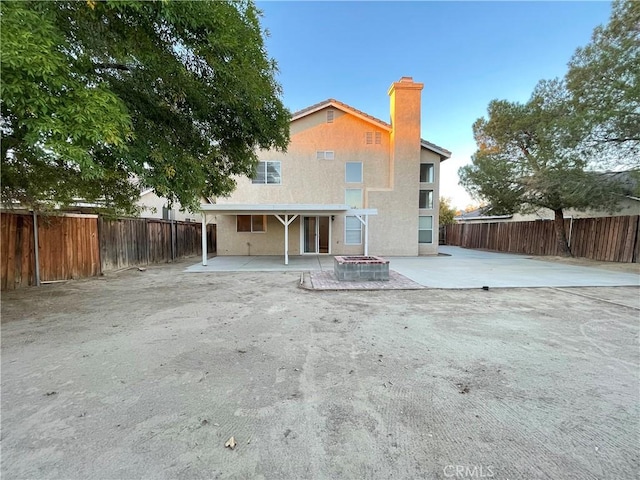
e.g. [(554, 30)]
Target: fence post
[(172, 239), (570, 231), (35, 248)]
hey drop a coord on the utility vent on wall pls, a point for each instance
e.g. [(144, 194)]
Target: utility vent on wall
[(329, 116), (368, 138)]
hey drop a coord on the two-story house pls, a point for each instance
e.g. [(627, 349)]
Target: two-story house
[(349, 184)]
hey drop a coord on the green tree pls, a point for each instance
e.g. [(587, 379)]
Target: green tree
[(446, 212), (604, 82), (523, 162), (100, 98)]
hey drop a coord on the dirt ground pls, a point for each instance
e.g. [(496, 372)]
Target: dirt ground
[(148, 374)]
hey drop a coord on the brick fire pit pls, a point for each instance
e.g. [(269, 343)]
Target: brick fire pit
[(359, 268)]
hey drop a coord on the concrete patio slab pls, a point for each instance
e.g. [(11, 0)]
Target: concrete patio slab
[(457, 268), (465, 268)]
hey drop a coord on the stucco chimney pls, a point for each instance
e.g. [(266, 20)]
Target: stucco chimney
[(405, 96), (405, 117)]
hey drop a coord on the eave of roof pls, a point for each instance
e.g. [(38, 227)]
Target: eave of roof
[(443, 152)]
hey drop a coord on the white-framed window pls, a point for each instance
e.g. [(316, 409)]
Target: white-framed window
[(353, 172), (368, 138), (268, 173), (251, 223), (426, 172), (329, 116), (353, 197), (425, 229), (352, 231), (378, 138), (426, 199), (325, 155)]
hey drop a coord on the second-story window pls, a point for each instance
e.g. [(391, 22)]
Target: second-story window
[(353, 172), (426, 172), (268, 173), (426, 199), (353, 197)]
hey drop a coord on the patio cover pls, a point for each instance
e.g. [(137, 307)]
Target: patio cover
[(286, 214)]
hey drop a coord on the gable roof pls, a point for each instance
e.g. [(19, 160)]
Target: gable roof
[(332, 102)]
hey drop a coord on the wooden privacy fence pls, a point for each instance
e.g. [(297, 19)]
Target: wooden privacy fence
[(139, 241), (76, 246), (611, 239)]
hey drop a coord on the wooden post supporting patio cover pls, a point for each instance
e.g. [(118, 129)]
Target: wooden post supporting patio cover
[(204, 239), (286, 222)]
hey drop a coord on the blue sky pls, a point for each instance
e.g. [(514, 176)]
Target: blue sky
[(465, 53)]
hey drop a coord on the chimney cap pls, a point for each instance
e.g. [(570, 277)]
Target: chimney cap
[(405, 83)]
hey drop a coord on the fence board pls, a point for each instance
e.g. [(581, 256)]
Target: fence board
[(615, 239)]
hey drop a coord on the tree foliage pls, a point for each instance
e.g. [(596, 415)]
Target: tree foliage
[(446, 212), (604, 82), (523, 162), (545, 153), (100, 98)]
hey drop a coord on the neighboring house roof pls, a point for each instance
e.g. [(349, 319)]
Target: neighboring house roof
[(332, 102), (479, 214)]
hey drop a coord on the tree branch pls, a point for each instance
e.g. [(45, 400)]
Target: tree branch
[(114, 66)]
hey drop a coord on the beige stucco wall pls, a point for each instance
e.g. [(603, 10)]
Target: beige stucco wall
[(152, 204), (391, 173)]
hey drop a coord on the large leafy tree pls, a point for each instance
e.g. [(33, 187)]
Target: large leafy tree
[(604, 82), (446, 213), (523, 161), (101, 98)]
